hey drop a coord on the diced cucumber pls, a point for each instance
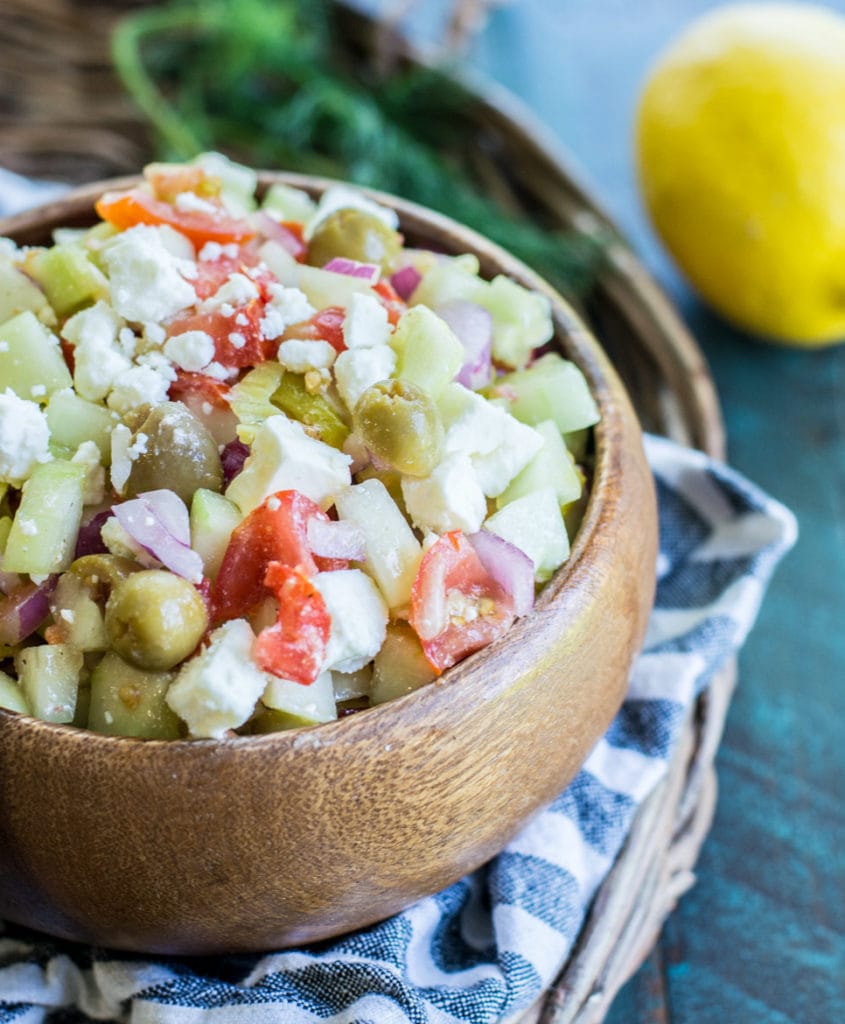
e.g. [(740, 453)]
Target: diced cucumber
[(550, 389), (288, 203), (428, 352), (77, 617), (43, 534), (322, 287), (72, 420), (522, 320), (535, 525), (289, 705), (393, 552), (250, 398), (448, 280), (237, 183), (69, 279), (352, 685), (18, 293), (49, 677), (5, 527), (400, 666), (128, 701), (213, 518), (553, 464), (31, 361), (12, 696)]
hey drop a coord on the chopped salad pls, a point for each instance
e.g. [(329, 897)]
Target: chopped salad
[(261, 463)]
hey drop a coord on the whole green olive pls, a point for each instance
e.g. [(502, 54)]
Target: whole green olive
[(155, 619), (356, 235), (100, 573), (400, 424), (172, 449)]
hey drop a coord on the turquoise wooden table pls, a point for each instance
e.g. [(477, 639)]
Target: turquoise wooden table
[(760, 939)]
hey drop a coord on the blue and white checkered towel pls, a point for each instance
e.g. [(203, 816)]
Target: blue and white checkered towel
[(488, 946)]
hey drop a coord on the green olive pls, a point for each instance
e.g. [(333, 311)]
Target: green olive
[(356, 235), (401, 426), (100, 573), (173, 449), (155, 619)]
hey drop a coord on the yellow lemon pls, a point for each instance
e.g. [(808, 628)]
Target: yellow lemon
[(741, 156)]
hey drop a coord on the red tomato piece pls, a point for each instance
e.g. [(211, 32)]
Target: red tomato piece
[(127, 209), (276, 531), (238, 340), (456, 606), (198, 387), (327, 325), (391, 300), (294, 647), (211, 274)]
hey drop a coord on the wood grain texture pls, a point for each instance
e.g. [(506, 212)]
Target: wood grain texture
[(262, 842)]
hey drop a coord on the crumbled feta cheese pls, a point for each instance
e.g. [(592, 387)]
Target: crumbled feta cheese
[(498, 445), (218, 688), (236, 339), (340, 197), (359, 618), (98, 359), (286, 306), (365, 323), (213, 251), (284, 457), (357, 369), (146, 383), (121, 460), (449, 498), (94, 484), (192, 350), (24, 438), (68, 615), (236, 290), (218, 371), (190, 202), (147, 280), (127, 341), (300, 355), (154, 334)]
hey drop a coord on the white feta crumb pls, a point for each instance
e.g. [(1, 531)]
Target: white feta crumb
[(190, 202), (24, 438), (68, 615), (191, 350), (357, 369), (94, 484), (283, 458), (217, 371), (358, 618), (145, 383), (121, 460), (366, 323), (154, 334), (286, 306), (218, 688), (449, 498), (147, 280), (98, 359), (236, 290), (300, 355), (236, 339)]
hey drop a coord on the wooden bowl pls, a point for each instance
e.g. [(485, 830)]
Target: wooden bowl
[(263, 842)]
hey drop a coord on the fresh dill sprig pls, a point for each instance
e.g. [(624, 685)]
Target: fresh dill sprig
[(270, 82)]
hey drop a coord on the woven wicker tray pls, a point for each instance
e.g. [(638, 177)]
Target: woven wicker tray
[(64, 117)]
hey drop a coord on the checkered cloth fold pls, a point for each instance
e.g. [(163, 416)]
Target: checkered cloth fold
[(486, 947)]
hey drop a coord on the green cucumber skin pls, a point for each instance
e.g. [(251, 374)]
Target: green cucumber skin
[(31, 361), (49, 677), (43, 534)]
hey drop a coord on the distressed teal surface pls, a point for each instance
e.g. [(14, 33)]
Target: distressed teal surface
[(760, 939)]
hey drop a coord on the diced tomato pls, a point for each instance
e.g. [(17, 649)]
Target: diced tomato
[(391, 300), (128, 209), (327, 325), (238, 340), (276, 531), (297, 230), (211, 274), (199, 386), (456, 606), (294, 647)]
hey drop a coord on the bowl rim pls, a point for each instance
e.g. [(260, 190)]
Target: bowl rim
[(573, 338)]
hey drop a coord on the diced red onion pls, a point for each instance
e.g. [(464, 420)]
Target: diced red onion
[(153, 521), (473, 326), (23, 611), (369, 272), (336, 539), (88, 540), (509, 566), (276, 232), (232, 458), (405, 281)]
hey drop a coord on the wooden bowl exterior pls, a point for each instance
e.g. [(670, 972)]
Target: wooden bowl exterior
[(264, 842)]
